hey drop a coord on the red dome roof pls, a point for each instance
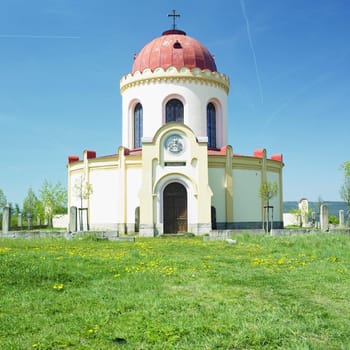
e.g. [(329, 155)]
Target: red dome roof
[(175, 49)]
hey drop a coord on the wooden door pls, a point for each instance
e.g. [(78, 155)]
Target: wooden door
[(175, 208)]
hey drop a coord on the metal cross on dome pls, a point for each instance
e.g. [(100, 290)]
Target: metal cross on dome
[(174, 15)]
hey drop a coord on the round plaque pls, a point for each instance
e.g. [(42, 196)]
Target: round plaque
[(175, 143)]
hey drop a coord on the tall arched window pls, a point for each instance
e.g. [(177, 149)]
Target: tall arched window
[(174, 111), (211, 125), (138, 125)]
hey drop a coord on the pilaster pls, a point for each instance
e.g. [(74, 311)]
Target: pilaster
[(228, 185)]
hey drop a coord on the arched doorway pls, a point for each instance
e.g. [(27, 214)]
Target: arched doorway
[(175, 208)]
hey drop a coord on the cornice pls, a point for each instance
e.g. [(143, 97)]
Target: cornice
[(171, 75)]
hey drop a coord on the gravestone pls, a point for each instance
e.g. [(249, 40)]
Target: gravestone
[(341, 218), (30, 221), (324, 218), (19, 221), (304, 211), (313, 218), (73, 219), (6, 219)]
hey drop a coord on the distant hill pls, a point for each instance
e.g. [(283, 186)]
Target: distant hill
[(333, 207)]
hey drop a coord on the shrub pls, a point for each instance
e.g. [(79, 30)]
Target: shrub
[(332, 219)]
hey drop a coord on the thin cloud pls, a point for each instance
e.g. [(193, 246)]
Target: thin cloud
[(253, 51), (291, 98), (303, 90), (33, 36)]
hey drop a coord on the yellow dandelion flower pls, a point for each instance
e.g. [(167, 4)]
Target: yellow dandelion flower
[(333, 259), (58, 286), (281, 261)]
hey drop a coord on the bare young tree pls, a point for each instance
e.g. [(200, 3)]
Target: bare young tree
[(267, 191), (82, 190), (3, 200)]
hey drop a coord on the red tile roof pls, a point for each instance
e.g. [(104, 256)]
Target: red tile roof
[(174, 48)]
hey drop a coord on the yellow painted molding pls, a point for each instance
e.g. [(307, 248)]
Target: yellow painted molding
[(228, 185), (178, 176), (172, 75)]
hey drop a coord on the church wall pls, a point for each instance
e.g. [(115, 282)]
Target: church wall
[(105, 202), (73, 179), (108, 209), (275, 201), (246, 200), (100, 204), (246, 204), (133, 184), (216, 183)]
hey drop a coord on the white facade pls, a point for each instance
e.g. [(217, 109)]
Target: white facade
[(194, 88)]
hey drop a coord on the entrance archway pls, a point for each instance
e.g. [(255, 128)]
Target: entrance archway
[(175, 208)]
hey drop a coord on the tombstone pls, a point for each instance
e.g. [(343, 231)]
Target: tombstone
[(30, 221), (341, 218), (83, 219), (304, 211), (313, 218), (6, 219), (137, 219), (19, 221), (324, 218), (73, 219)]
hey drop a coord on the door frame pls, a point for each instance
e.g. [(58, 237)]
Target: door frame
[(185, 208), (158, 189)]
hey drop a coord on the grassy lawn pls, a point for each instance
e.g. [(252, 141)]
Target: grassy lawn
[(176, 293)]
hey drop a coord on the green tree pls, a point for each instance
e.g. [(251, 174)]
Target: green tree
[(345, 188), (332, 219), (40, 211), (17, 209), (53, 199), (297, 213), (267, 191), (3, 200), (30, 203)]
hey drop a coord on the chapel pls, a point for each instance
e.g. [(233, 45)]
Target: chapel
[(174, 171)]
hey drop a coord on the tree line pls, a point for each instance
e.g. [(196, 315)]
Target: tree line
[(50, 201)]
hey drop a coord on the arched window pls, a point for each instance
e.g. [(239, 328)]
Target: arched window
[(138, 125), (211, 125), (174, 111)]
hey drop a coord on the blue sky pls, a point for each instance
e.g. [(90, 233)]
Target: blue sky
[(288, 63)]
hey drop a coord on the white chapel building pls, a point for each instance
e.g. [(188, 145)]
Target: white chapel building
[(174, 171)]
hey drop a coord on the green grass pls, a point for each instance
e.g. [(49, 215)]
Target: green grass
[(176, 293)]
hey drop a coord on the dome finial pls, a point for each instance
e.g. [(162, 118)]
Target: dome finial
[(174, 15)]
